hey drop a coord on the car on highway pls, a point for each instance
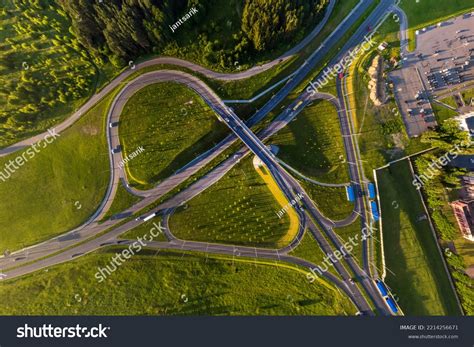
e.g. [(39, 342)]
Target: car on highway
[(116, 149), (297, 105)]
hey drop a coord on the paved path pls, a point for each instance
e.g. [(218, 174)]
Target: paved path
[(285, 181), (79, 234), (120, 79)]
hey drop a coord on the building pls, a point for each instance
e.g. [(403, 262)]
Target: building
[(464, 213), (467, 191), (464, 208), (463, 161), (466, 122)]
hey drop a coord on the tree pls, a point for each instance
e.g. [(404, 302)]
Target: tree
[(268, 22)]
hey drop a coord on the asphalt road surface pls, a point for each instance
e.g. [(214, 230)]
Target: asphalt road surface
[(287, 183), (176, 62), (91, 227)]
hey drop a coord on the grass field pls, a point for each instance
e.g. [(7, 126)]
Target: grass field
[(353, 230), (170, 283), (426, 12), (442, 113), (449, 101), (382, 131), (468, 96), (420, 13), (331, 201), (312, 144), (51, 193), (416, 272), (309, 249), (238, 209), (173, 124)]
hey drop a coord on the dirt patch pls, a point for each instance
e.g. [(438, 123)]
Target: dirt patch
[(399, 145), (376, 83), (90, 130)]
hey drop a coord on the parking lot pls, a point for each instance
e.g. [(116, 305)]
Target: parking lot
[(444, 59)]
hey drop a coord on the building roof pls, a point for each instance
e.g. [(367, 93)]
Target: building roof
[(463, 162)]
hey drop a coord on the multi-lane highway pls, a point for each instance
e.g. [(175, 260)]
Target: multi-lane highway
[(290, 188), (132, 68), (310, 217), (91, 226)]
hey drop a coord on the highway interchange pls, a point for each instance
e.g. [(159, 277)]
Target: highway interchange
[(60, 249)]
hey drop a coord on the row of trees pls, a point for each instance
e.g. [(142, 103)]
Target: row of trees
[(447, 138), (267, 23), (53, 49), (120, 30)]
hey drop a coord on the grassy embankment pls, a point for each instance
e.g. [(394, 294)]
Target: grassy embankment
[(415, 268), (173, 125), (50, 194), (238, 209), (170, 283)]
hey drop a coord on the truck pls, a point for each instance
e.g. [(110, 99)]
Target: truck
[(391, 303), (147, 218), (375, 211), (297, 105), (350, 193), (371, 188), (381, 287)]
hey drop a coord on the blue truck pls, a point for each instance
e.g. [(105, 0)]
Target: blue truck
[(371, 187), (375, 211), (382, 288), (350, 193), (391, 303)]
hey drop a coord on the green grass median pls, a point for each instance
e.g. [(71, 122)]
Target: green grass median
[(238, 209), (172, 124), (312, 144)]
